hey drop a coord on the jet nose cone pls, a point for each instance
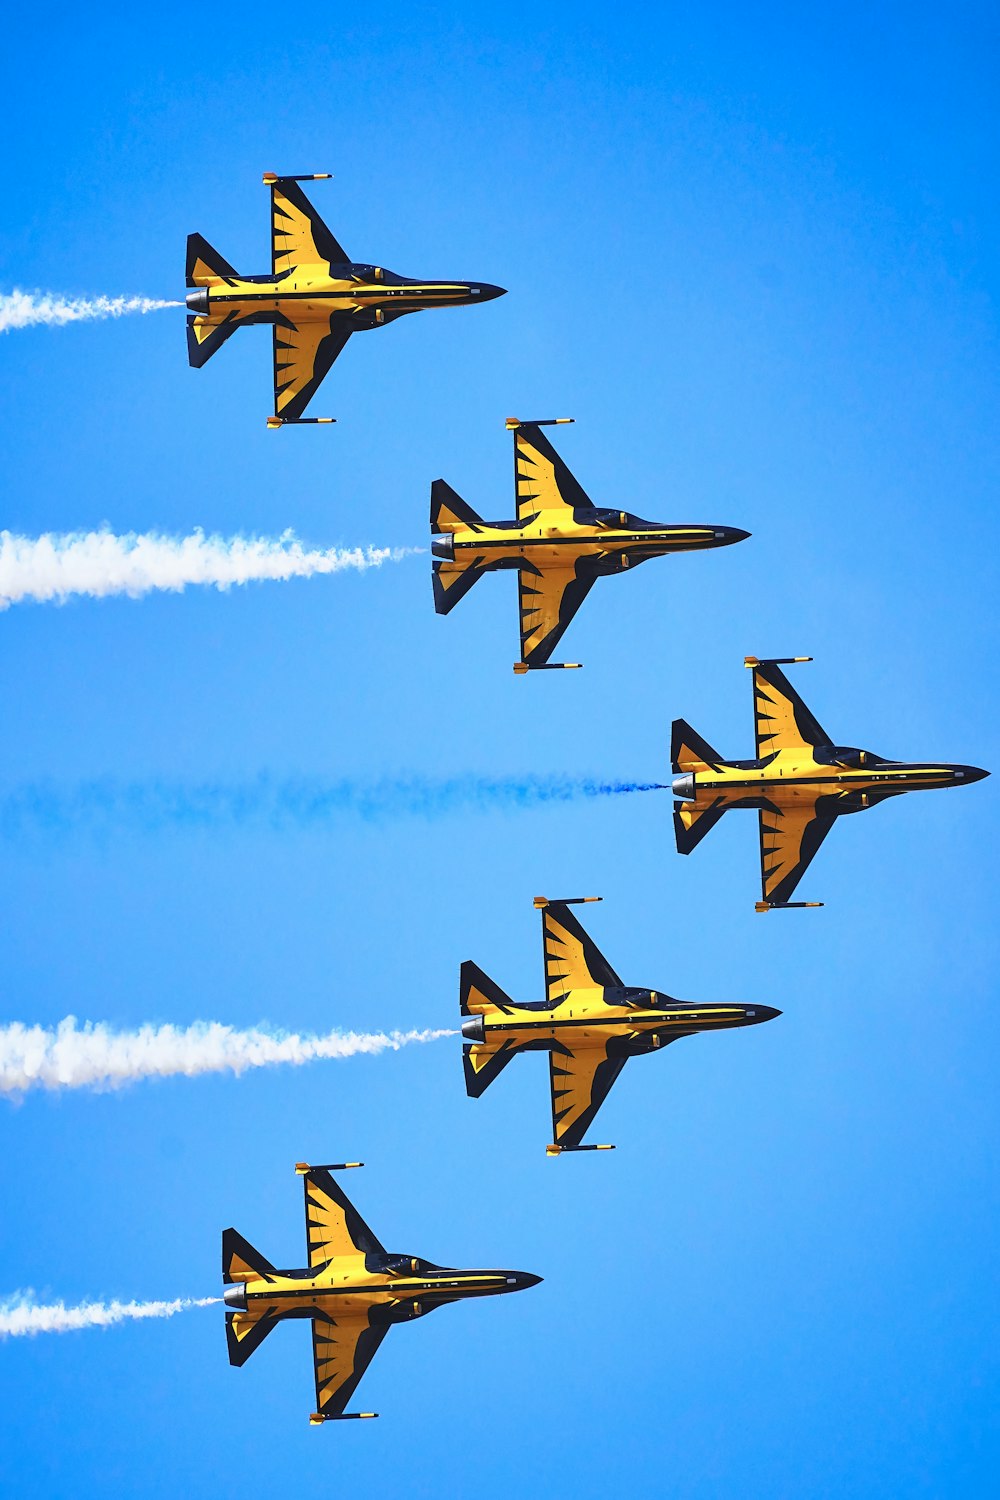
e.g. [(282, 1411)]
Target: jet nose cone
[(486, 292), (726, 535), (969, 773), (519, 1281), (757, 1013)]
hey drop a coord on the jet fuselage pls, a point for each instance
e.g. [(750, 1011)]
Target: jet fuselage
[(637, 1020), (358, 296), (855, 778), (395, 1287), (550, 539)]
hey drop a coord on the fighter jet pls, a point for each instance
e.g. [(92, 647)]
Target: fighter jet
[(353, 1291), (560, 543), (315, 297), (589, 1023), (800, 782)]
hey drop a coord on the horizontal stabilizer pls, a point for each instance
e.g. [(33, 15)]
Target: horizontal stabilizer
[(205, 338), (483, 1064), (449, 511), (240, 1260), (688, 751), (246, 1331), (691, 823), (205, 266), (478, 993)]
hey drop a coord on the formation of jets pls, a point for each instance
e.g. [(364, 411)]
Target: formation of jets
[(590, 1023)]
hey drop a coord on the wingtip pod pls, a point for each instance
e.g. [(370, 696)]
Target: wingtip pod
[(270, 178), (562, 1150), (774, 660), (541, 902), (520, 667), (513, 423), (317, 1418), (276, 422), (303, 1168), (784, 905)]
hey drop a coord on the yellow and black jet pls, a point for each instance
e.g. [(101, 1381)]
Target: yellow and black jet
[(589, 1023), (353, 1291), (315, 297), (799, 782), (560, 543)]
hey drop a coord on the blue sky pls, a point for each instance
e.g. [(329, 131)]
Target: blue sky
[(753, 252)]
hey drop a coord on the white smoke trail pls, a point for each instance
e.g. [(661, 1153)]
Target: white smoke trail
[(96, 1057), (27, 309), (20, 1314), (99, 563)]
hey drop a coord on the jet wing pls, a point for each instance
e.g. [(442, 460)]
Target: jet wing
[(333, 1224), (342, 1351), (541, 479), (789, 838), (580, 1081), (302, 358), (548, 600), (781, 719), (573, 960), (298, 235)]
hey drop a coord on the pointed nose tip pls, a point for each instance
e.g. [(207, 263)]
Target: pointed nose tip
[(757, 1013), (488, 292), (725, 536), (524, 1279), (972, 773)]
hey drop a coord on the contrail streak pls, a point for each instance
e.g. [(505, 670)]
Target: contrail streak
[(20, 1314), (29, 309), (99, 563), (95, 1056), (303, 803)]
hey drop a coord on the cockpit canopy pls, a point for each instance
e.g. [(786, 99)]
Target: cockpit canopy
[(853, 759)]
